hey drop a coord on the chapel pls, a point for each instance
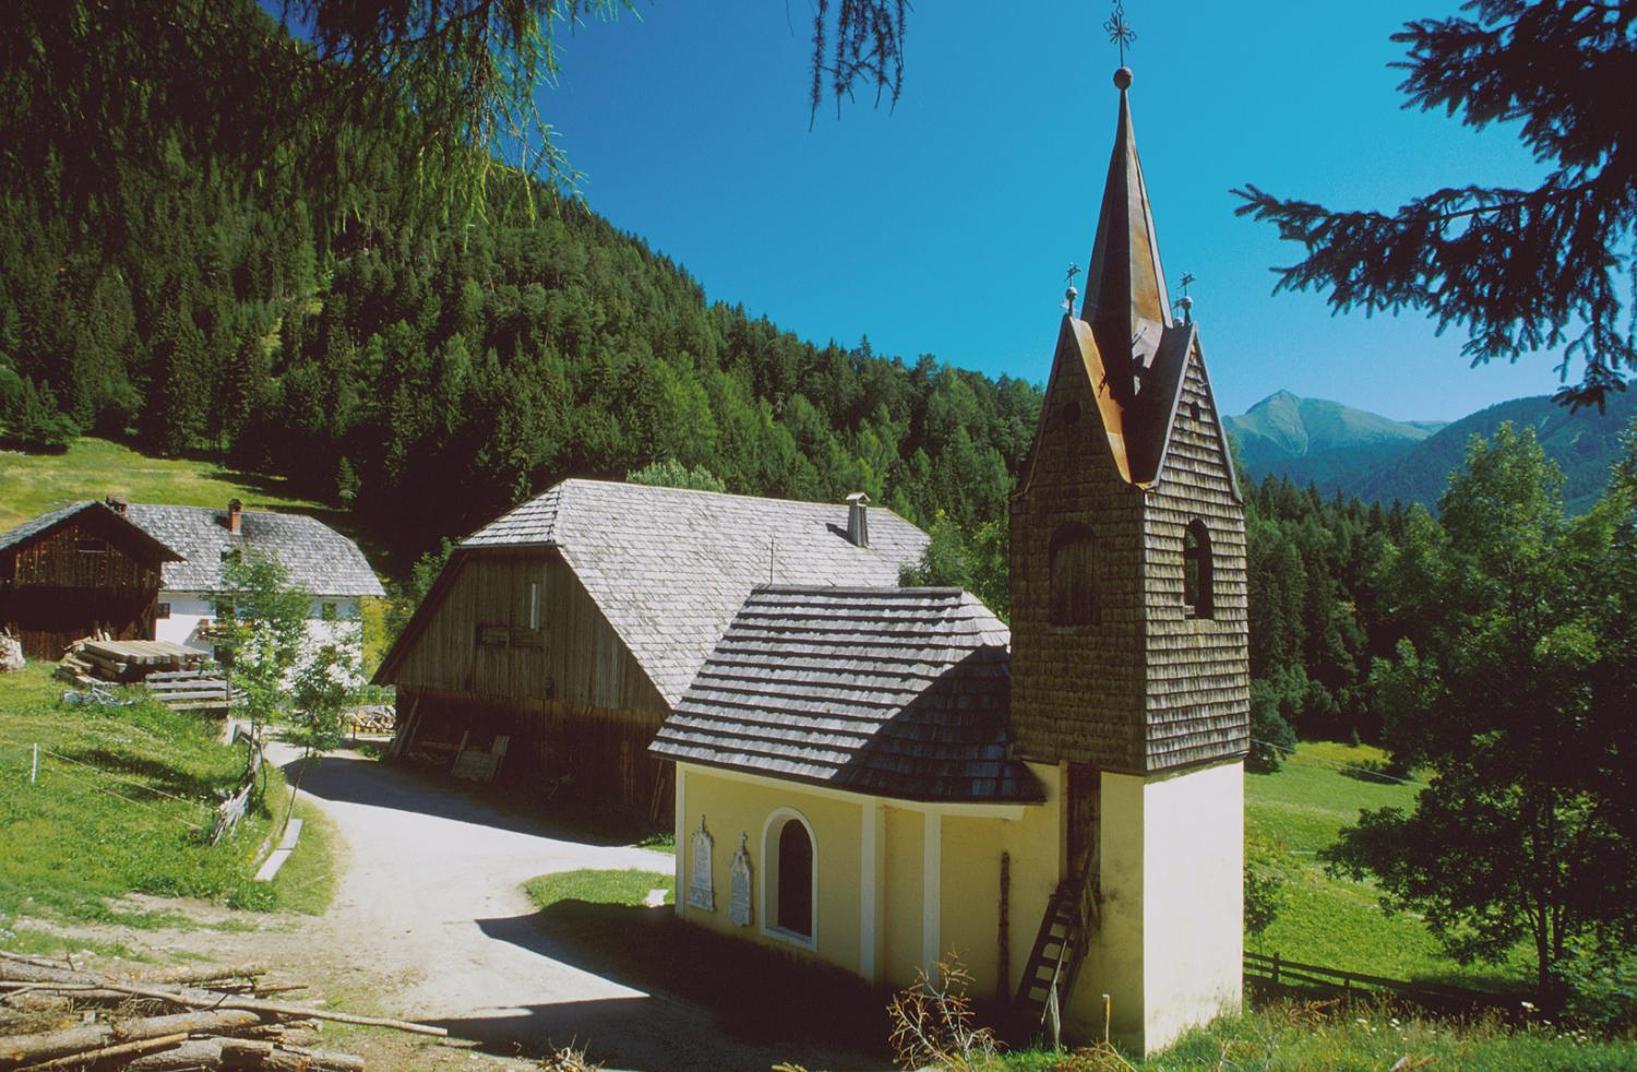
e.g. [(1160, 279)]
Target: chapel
[(881, 776)]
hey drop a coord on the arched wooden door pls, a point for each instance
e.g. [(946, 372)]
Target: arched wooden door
[(795, 879)]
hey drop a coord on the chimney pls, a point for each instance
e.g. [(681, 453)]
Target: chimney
[(116, 504), (235, 516), (858, 519)]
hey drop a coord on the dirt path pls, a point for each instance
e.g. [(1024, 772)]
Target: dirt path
[(430, 912)]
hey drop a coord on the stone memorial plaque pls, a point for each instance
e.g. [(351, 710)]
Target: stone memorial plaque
[(701, 892), (739, 886)]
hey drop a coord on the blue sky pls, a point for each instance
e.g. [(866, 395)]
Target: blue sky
[(944, 226)]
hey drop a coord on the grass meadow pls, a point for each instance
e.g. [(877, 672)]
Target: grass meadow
[(120, 805), (627, 887)]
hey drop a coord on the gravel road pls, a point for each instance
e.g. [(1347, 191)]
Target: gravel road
[(430, 911)]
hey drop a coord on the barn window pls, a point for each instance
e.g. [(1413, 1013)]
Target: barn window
[(1073, 577), (790, 878), (1197, 589), (93, 545), (162, 610), (490, 635)]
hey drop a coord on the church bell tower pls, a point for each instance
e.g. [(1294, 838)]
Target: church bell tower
[(1130, 662)]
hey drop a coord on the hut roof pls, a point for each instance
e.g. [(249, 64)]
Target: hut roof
[(669, 567), (894, 692), (319, 559), (39, 526)]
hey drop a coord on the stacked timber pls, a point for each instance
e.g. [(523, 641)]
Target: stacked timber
[(175, 675), (185, 1019)]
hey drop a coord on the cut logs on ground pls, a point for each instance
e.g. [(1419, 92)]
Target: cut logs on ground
[(60, 1017)]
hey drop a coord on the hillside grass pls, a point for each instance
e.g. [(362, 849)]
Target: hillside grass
[(120, 806), (1336, 922), (1293, 1037), (31, 484)]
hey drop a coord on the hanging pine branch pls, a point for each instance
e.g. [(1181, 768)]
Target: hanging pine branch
[(1520, 269), (858, 42)]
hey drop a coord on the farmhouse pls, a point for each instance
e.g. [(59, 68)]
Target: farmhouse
[(141, 571), (878, 776), (573, 624)]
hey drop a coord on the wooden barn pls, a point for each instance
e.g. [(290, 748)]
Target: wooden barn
[(75, 571), (572, 625)]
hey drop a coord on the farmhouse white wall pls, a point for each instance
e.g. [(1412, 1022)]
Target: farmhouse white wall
[(188, 610)]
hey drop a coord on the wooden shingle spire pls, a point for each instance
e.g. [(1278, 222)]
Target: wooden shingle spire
[(1126, 302)]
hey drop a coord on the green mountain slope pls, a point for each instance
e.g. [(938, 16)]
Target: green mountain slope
[(1319, 441), (1585, 444)]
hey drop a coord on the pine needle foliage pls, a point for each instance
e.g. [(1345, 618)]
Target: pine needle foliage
[(1521, 270)]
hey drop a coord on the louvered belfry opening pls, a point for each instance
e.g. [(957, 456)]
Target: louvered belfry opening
[(795, 897)]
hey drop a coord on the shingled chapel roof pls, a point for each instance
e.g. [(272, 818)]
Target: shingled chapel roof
[(669, 567), (893, 692)]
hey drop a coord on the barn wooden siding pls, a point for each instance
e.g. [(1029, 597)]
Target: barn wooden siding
[(1077, 690), (1197, 669), (53, 591), (560, 683)]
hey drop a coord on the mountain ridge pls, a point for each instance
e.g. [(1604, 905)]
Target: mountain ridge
[(1355, 452)]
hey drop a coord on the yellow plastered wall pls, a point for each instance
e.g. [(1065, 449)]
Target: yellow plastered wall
[(731, 807), (905, 912), (1036, 845), (1170, 949)]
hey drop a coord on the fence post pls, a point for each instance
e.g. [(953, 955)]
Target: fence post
[(34, 768), (1276, 969), (1347, 989)]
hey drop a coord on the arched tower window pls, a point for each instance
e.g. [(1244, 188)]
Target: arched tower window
[(1197, 586), (1074, 584)]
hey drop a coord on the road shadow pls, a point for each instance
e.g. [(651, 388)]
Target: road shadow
[(352, 779), (716, 1002)]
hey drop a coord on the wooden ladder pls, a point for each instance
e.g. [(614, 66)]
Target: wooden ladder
[(1059, 951)]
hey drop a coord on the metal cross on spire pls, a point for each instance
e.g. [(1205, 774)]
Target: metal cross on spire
[(1070, 293), (1119, 30), (1185, 303)]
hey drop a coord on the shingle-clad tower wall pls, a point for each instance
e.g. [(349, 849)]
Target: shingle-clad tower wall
[(1116, 660)]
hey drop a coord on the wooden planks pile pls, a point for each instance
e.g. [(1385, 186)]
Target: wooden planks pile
[(191, 1018)]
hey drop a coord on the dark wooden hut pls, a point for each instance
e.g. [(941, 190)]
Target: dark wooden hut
[(76, 571), (573, 625)]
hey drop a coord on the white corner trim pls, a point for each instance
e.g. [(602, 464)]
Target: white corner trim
[(869, 888), (680, 851), (769, 873), (932, 862)]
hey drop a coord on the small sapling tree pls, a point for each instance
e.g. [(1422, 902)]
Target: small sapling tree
[(327, 686), (261, 627)]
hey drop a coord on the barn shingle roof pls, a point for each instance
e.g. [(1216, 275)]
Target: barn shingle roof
[(35, 526), (894, 692), (319, 559), (669, 567)]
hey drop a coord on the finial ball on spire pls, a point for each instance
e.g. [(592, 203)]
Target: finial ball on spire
[(1122, 78)]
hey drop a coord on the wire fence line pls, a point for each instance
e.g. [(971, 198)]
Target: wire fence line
[(26, 759)]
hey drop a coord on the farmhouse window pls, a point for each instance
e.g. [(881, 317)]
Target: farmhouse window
[(93, 545), (162, 610), (1197, 588), (795, 879), (1073, 577)]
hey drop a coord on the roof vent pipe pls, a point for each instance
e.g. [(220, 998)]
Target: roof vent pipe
[(116, 503), (235, 516), (858, 519)]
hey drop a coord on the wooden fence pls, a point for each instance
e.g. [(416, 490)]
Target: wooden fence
[(1279, 973)]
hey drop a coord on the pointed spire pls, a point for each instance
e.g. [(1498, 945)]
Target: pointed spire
[(1126, 304)]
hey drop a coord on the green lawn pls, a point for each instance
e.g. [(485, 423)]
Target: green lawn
[(1336, 922), (118, 807), (630, 887)]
